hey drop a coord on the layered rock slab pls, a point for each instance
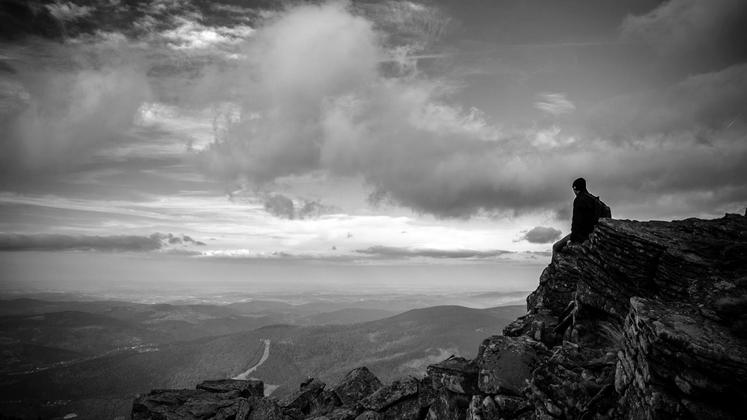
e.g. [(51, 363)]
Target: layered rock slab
[(676, 363)]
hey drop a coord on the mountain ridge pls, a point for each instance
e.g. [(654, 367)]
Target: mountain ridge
[(645, 320)]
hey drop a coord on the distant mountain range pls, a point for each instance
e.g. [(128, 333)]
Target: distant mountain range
[(91, 358)]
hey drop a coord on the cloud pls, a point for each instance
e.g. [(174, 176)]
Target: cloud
[(554, 104), (700, 34), (333, 89), (191, 35), (66, 11), (541, 235), (317, 100), (59, 109), (284, 207), (703, 103), (60, 242), (280, 206), (398, 252)]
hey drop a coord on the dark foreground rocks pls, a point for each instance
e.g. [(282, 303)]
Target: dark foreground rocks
[(646, 320)]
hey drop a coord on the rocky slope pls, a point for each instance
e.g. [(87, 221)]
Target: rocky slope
[(646, 320)]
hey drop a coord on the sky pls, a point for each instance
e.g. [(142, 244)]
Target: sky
[(438, 132)]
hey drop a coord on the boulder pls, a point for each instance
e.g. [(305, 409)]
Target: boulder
[(677, 363), (369, 415), (540, 325), (245, 388), (338, 414), (407, 409), (455, 374), (311, 398), (449, 406), (185, 404), (390, 394), (358, 384), (506, 363), (259, 408)]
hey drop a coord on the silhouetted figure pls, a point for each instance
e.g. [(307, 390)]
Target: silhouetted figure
[(586, 212)]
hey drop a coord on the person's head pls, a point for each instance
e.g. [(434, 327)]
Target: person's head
[(579, 186)]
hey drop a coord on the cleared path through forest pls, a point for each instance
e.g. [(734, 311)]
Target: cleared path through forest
[(265, 356)]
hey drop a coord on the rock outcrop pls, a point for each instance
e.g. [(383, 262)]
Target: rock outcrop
[(645, 320)]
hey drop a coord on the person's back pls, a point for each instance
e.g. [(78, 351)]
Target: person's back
[(585, 216)]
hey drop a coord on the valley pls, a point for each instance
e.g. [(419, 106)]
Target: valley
[(91, 358)]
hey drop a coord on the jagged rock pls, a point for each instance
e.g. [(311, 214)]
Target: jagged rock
[(185, 404), (558, 283), (486, 407), (390, 394), (311, 399), (675, 363), (358, 384), (691, 261), (511, 407), (369, 415), (338, 414), (573, 381), (245, 388), (506, 363), (259, 408), (407, 409), (482, 408), (449, 406), (456, 374), (540, 325)]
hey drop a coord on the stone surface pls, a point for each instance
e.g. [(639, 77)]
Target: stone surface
[(540, 324), (407, 409), (245, 388), (369, 415), (455, 374), (338, 414), (310, 399), (506, 363), (573, 382), (675, 362), (390, 394), (358, 384), (185, 404), (258, 408), (449, 405)]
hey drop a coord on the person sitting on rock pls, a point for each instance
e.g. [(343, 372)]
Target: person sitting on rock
[(585, 216)]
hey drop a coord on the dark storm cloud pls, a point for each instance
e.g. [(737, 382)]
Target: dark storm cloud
[(397, 252), (58, 242), (542, 235)]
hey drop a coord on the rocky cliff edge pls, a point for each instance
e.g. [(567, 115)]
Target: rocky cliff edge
[(645, 320)]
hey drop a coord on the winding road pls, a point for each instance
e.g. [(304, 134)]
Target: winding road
[(265, 356)]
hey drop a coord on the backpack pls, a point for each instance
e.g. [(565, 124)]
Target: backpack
[(601, 210)]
